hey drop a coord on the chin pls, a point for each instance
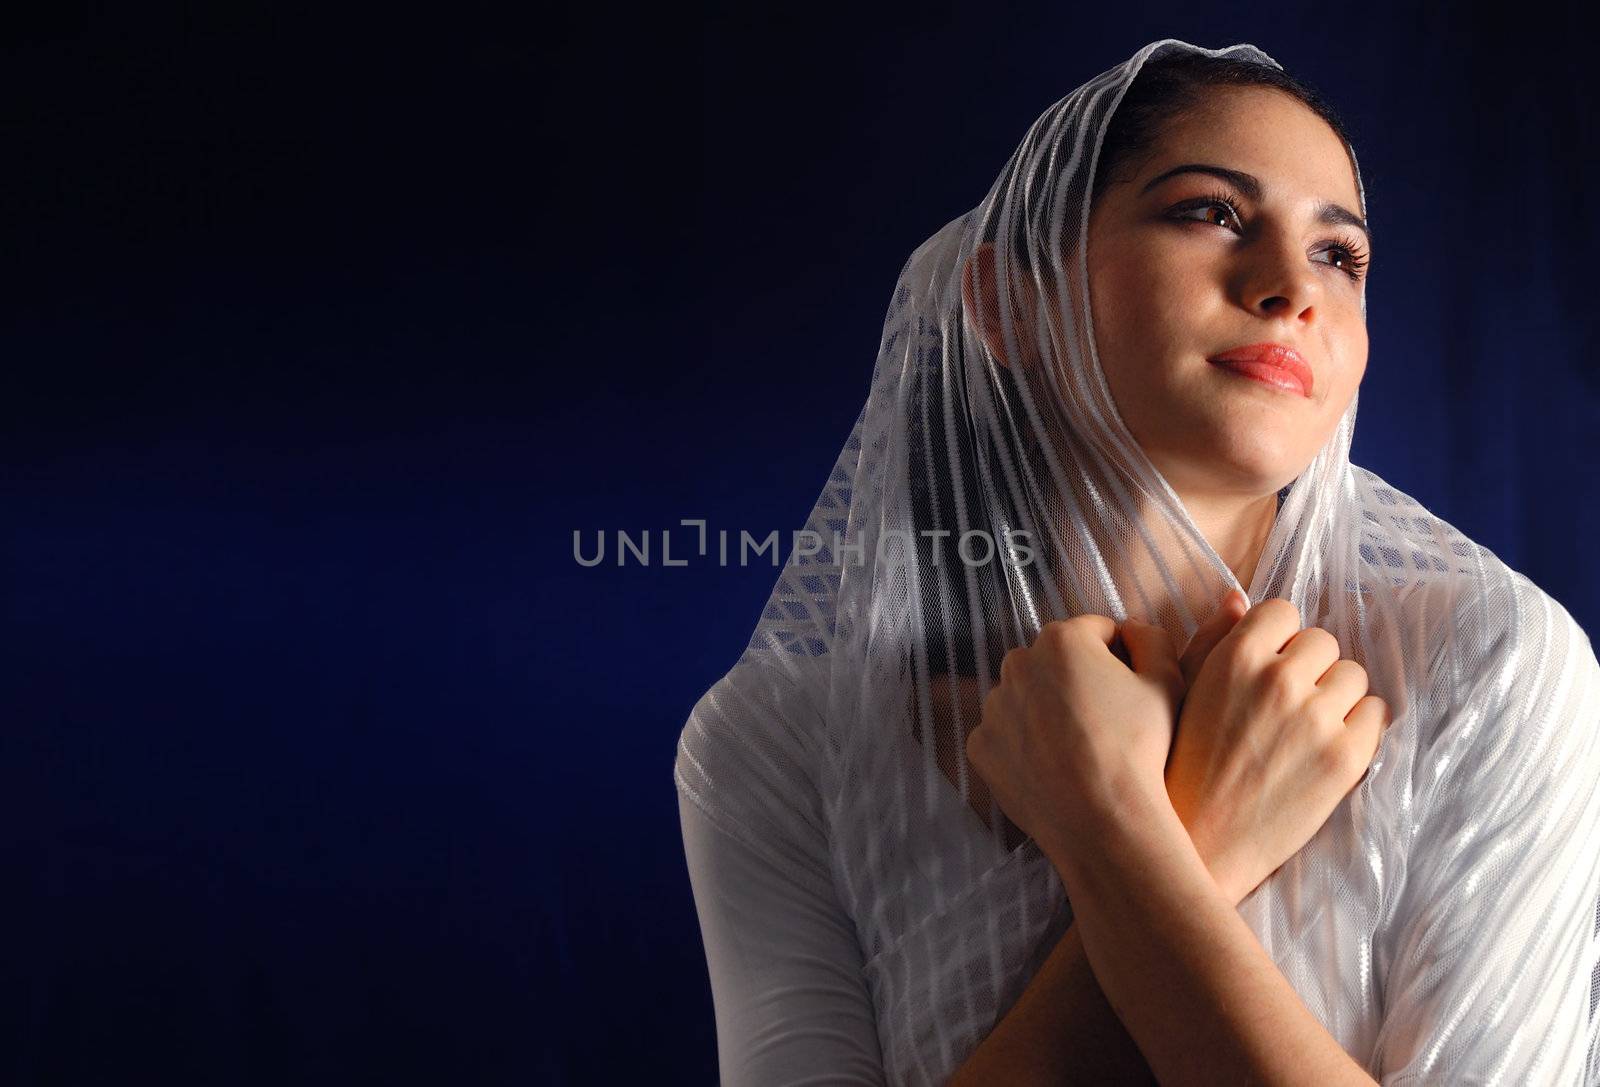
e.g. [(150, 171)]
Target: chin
[(1251, 461), (1264, 470), (1237, 444)]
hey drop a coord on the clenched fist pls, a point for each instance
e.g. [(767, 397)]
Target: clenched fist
[(1275, 729), (1070, 731)]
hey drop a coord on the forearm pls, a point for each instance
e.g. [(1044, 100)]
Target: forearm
[(1180, 968), (1060, 1031), (1063, 1030)]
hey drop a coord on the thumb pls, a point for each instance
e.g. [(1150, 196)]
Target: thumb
[(1151, 654), (1209, 633)]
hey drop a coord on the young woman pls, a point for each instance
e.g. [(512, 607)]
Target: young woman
[(1013, 783)]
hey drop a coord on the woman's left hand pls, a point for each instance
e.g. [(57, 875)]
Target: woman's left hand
[(1070, 733)]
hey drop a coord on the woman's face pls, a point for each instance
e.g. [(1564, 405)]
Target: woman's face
[(1186, 266)]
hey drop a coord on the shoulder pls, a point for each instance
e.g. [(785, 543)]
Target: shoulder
[(1500, 672), (747, 757), (1450, 588)]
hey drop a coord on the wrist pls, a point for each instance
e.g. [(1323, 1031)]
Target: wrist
[(1227, 866), (1119, 829), (1227, 858), (1229, 871)]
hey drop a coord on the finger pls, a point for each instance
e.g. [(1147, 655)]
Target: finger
[(1079, 633), (1151, 654), (1313, 651), (1366, 723), (1267, 627), (1344, 683), (1209, 633), (1098, 626)]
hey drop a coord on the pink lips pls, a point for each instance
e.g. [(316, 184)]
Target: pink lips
[(1270, 363)]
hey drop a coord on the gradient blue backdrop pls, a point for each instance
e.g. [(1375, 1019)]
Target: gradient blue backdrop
[(323, 760)]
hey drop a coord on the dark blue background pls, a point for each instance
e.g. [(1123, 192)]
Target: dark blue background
[(323, 760)]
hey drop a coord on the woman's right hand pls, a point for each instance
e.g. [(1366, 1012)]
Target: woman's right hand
[(1274, 729)]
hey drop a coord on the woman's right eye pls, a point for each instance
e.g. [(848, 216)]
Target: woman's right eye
[(1227, 213)]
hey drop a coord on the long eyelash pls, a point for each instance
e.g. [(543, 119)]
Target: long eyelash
[(1215, 196), (1355, 267)]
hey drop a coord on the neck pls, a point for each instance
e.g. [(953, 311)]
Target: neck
[(1237, 528)]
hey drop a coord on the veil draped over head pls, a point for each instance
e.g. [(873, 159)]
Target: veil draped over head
[(1444, 922)]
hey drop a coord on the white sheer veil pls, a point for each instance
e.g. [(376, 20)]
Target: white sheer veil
[(1454, 890)]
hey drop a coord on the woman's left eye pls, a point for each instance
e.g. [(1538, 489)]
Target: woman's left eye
[(1347, 257)]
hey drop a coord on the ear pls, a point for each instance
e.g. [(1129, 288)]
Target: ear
[(980, 297)]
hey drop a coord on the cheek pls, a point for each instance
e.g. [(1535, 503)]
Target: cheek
[(1141, 304), (1351, 341), (1347, 346)]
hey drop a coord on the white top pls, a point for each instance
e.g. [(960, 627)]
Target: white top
[(1499, 867), (791, 1001)]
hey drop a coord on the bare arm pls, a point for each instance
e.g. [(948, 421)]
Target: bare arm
[(1074, 741), (1061, 1030), (1181, 968)]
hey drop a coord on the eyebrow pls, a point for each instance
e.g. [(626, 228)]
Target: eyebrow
[(1327, 211)]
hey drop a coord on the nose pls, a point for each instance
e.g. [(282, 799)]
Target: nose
[(1277, 280)]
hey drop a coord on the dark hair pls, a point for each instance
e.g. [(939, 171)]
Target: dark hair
[(1170, 84)]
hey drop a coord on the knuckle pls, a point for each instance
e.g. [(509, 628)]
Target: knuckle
[(1233, 664), (1230, 651), (1278, 608), (991, 704), (1346, 672), (1278, 680), (1009, 663), (974, 747), (1338, 759), (1079, 625), (1358, 760), (1323, 639), (1054, 634)]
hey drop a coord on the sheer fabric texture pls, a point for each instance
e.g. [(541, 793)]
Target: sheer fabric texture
[(1443, 925)]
